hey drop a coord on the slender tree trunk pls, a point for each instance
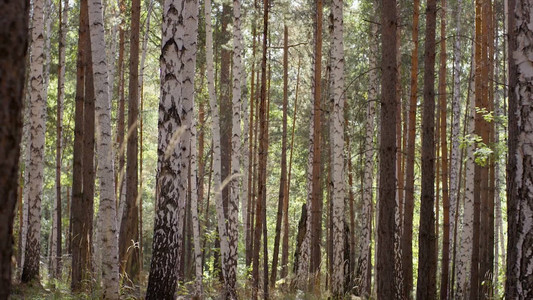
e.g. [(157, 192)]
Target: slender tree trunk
[(427, 266), (194, 213), (365, 259), (337, 147), (178, 62), (141, 123), (129, 227), (446, 237), (87, 207), (63, 17), (316, 198), (285, 242), (81, 225), (283, 171), (462, 286), (232, 233), (407, 236), (35, 159), (387, 163), (455, 162), (105, 170), (13, 43), (262, 155)]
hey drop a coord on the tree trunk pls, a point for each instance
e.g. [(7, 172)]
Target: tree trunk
[(81, 225), (316, 189), (178, 62), (407, 236), (427, 267), (63, 17), (337, 148), (465, 250), (105, 170), (455, 162), (13, 42), (35, 159), (129, 226), (283, 172), (232, 233), (262, 155), (446, 237), (285, 242), (387, 163), (365, 260), (522, 245)]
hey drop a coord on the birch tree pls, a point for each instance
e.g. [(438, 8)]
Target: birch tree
[(337, 145), (13, 42), (35, 159), (366, 232), (105, 170), (522, 263), (178, 62), (232, 233), (462, 269)]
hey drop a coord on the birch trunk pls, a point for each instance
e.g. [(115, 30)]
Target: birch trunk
[(178, 62), (232, 233), (105, 170), (35, 166), (366, 216), (13, 42), (455, 153), (462, 270), (523, 262), (194, 213), (337, 146), (215, 132)]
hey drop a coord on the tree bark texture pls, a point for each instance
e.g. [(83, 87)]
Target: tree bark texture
[(387, 152), (522, 263), (35, 166), (14, 45), (178, 62), (427, 268), (105, 170)]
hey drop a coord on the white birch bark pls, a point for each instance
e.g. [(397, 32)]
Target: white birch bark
[(178, 63), (524, 152), (35, 158), (337, 147), (194, 213), (366, 216), (456, 127), (233, 208), (104, 145), (215, 132), (466, 245)]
